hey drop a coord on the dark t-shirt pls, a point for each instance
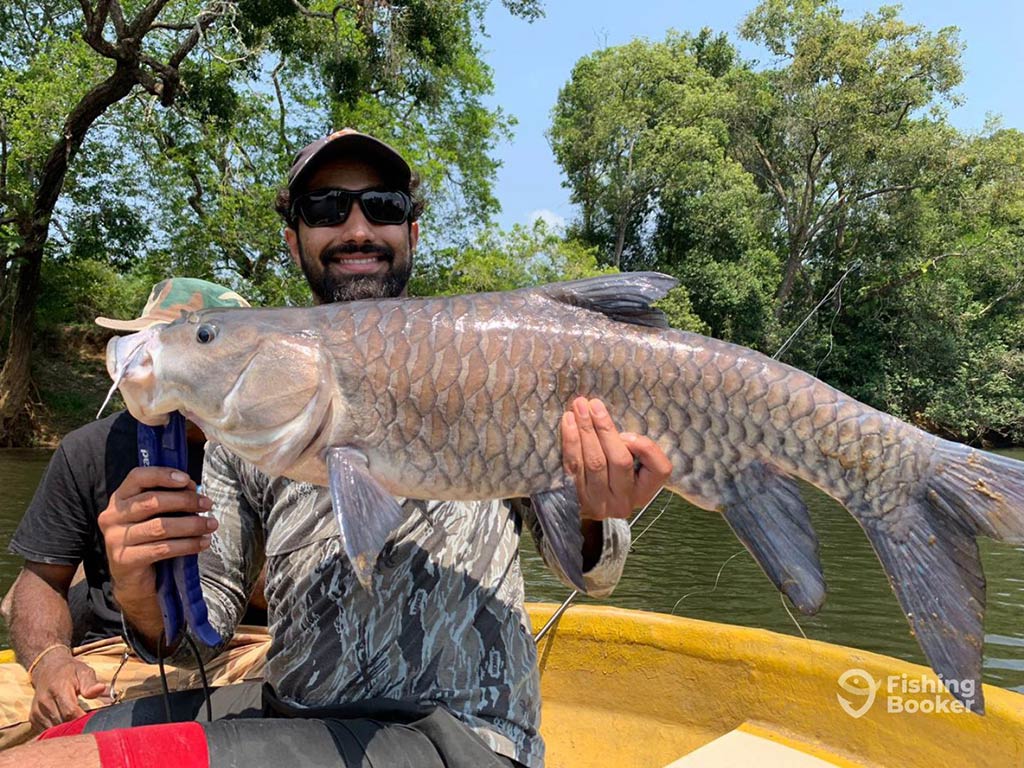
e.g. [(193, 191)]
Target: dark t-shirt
[(59, 527)]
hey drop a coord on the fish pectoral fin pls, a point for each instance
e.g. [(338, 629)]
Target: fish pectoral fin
[(367, 514), (558, 512), (766, 513), (626, 297), (933, 566)]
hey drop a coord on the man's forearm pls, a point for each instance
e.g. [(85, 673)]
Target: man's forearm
[(40, 617), (142, 614)]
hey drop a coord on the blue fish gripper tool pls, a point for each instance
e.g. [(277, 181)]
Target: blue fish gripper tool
[(177, 579)]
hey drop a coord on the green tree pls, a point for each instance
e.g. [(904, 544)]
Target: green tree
[(633, 124), (851, 117), (833, 199), (206, 101), (939, 338), (504, 260), (641, 131)]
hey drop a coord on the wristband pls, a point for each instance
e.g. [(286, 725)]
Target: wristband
[(43, 652)]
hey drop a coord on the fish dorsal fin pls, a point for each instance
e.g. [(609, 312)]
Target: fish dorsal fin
[(626, 296)]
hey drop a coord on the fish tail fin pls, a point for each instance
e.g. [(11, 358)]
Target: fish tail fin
[(984, 490), (930, 555)]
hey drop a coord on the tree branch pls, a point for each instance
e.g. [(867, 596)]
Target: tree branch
[(316, 14), (1013, 289), (911, 275), (96, 20), (144, 20), (281, 112), (117, 16)]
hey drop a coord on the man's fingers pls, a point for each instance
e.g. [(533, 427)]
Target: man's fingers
[(147, 554), (69, 707), (64, 699), (44, 711), (144, 478), (161, 528), (572, 451), (618, 459), (148, 504), (595, 466), (655, 468), (89, 687)]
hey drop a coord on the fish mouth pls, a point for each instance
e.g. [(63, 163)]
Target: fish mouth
[(130, 363)]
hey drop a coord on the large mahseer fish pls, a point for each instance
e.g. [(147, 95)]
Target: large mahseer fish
[(461, 398)]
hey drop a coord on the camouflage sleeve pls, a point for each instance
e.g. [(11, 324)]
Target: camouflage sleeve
[(230, 568), (601, 579)]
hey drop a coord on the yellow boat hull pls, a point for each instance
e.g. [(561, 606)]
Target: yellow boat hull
[(632, 688)]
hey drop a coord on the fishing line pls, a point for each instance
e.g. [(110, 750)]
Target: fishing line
[(791, 616), (717, 578), (120, 375), (656, 519), (831, 325), (852, 268)]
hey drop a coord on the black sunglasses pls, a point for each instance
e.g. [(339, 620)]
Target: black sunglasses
[(327, 207)]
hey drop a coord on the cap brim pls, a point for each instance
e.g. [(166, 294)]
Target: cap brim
[(138, 324)]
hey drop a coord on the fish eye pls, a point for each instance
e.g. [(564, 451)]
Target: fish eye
[(206, 333)]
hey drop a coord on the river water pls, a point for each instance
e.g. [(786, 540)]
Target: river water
[(687, 561)]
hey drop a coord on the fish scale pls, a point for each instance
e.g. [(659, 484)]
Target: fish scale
[(461, 398)]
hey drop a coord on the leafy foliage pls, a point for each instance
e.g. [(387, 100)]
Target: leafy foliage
[(824, 194), (502, 261), (141, 140)]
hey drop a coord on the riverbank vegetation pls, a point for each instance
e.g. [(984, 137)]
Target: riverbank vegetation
[(820, 191)]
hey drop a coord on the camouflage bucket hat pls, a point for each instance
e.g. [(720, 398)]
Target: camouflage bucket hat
[(169, 298)]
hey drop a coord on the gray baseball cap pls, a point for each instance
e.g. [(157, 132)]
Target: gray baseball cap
[(349, 141)]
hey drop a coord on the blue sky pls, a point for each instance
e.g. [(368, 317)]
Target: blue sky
[(532, 61)]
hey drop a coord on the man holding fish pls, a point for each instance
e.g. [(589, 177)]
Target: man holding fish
[(424, 654), (475, 410)]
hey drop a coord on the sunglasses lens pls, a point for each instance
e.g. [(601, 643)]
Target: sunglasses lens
[(324, 209), (385, 207)]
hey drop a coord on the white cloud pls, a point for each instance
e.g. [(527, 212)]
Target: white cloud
[(552, 219)]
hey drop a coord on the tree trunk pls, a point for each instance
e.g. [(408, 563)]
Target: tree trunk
[(620, 244), (16, 376), (793, 262)]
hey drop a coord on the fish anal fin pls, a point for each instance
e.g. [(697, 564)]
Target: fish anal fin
[(367, 514), (765, 511), (558, 512)]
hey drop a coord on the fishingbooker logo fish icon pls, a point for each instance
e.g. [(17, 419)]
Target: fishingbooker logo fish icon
[(860, 684)]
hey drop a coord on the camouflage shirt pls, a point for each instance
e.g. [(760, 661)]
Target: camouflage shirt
[(444, 623)]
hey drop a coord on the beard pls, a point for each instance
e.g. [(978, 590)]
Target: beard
[(328, 286)]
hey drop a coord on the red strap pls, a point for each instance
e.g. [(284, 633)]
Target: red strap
[(70, 728), (154, 746)]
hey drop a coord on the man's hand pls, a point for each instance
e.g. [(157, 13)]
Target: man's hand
[(59, 679), (602, 461), (152, 516)]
